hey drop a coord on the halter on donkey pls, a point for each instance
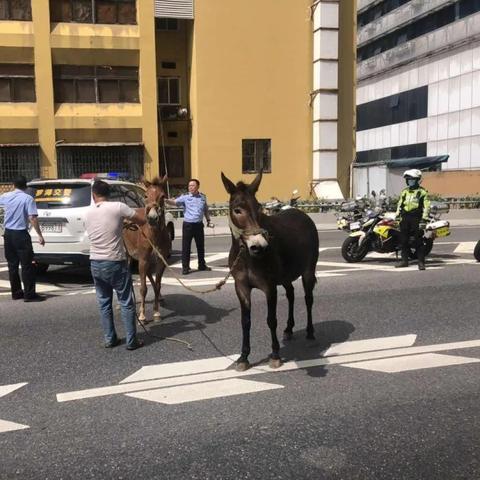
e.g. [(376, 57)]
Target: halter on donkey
[(268, 251)]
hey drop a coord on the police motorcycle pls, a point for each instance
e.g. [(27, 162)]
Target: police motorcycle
[(350, 214), (276, 206), (379, 231)]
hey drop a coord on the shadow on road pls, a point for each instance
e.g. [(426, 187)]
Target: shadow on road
[(326, 334)]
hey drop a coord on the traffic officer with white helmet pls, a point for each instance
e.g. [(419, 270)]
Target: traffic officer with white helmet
[(413, 208)]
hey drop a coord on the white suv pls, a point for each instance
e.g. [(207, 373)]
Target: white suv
[(62, 206)]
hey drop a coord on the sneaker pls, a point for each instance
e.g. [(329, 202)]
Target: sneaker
[(135, 345), (421, 266), (204, 268), (186, 271), (17, 296), (113, 343), (36, 298)]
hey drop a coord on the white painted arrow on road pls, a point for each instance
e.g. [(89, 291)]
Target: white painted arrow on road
[(182, 382), (6, 426)]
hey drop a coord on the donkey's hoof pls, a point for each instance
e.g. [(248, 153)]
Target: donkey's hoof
[(287, 336), (242, 366), (275, 363)]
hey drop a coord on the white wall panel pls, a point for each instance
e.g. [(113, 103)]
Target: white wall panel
[(465, 123), (453, 149), (412, 132), (371, 139), (453, 125), (455, 63), (466, 91), (476, 89), (476, 121), (475, 152), (423, 75), (433, 99), (413, 78), (422, 130), (442, 127), (431, 149), (442, 148), (476, 58), (316, 136), (404, 81), (316, 45), (387, 136), (327, 165), (466, 61), (379, 137), (433, 72), (432, 123), (360, 141), (454, 94), (395, 134), (328, 106), (316, 165), (328, 15), (328, 44), (328, 75), (328, 135), (403, 133), (464, 152), (316, 107), (443, 69), (442, 106)]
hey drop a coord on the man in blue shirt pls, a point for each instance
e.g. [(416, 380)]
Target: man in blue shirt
[(194, 206), (20, 210)]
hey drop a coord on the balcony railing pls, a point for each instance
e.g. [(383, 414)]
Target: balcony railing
[(173, 113), (405, 14), (448, 37)]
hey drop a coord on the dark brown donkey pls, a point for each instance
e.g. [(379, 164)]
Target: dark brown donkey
[(268, 251), (139, 243)]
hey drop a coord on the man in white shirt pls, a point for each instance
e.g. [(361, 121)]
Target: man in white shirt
[(108, 263)]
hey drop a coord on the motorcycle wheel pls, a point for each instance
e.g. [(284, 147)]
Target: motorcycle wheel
[(351, 252), (476, 251), (428, 244)]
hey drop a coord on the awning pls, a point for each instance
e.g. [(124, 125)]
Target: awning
[(414, 162), (19, 144), (100, 144)]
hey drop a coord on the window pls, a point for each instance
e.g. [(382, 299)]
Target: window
[(403, 107), (132, 198), (15, 10), (83, 84), (169, 91), (50, 195), (19, 160), (94, 11), (169, 65), (175, 162), (17, 83), (394, 153), (256, 154), (422, 26), (169, 24)]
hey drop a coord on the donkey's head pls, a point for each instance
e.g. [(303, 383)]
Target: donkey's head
[(155, 200), (245, 214)]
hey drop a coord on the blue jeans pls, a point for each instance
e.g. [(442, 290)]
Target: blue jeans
[(109, 276)]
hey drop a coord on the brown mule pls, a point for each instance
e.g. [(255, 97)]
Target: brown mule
[(139, 243)]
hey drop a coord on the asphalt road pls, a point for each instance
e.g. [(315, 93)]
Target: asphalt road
[(388, 390)]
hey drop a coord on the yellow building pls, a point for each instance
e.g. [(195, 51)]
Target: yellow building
[(189, 87)]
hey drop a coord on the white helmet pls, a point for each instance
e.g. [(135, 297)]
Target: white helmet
[(413, 173)]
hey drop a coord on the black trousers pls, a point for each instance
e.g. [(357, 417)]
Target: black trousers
[(193, 231), (19, 251), (409, 227)]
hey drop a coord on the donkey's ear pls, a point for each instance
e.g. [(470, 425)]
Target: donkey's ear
[(253, 187), (145, 181), (165, 178), (228, 184)]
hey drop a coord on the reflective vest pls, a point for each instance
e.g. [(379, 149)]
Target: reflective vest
[(414, 202)]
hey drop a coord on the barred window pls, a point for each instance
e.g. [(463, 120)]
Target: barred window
[(168, 24), (18, 160), (175, 162), (256, 154), (16, 10), (85, 84), (17, 83), (169, 91), (94, 11)]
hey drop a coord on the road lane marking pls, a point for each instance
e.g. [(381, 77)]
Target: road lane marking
[(6, 426), (262, 369), (465, 247), (412, 362), (204, 391)]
